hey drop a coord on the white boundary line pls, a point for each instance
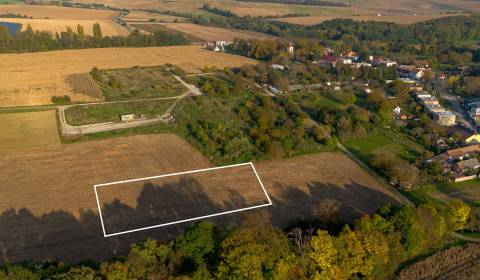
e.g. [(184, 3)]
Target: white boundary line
[(185, 220)]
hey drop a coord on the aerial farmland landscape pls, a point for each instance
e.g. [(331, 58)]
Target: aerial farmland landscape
[(239, 139)]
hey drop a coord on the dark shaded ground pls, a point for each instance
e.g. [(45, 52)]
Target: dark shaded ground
[(170, 202), (58, 235)]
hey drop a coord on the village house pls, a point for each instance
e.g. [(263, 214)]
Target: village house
[(445, 118), (433, 107), (385, 62), (412, 72), (218, 46), (328, 60), (474, 139), (467, 165), (277, 67), (460, 154)]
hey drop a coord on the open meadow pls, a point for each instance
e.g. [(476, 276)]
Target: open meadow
[(20, 130), (33, 78), (467, 191), (68, 226)]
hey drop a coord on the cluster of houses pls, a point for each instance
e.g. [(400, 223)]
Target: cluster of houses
[(433, 107), (329, 59), (461, 163), (218, 46), (415, 71)]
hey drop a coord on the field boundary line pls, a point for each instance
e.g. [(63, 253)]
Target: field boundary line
[(96, 186)]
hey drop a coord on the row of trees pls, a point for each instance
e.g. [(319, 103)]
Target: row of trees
[(31, 41), (373, 248)]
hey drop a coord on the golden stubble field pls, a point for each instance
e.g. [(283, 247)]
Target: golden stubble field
[(48, 206), (208, 33), (401, 19), (398, 10), (54, 12), (33, 78), (109, 27), (144, 16)]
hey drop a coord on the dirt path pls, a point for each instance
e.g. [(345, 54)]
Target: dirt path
[(68, 129)]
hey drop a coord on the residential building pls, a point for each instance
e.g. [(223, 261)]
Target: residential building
[(474, 139), (467, 165), (445, 118)]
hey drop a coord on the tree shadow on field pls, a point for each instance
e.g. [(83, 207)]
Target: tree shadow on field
[(61, 236), (353, 200)]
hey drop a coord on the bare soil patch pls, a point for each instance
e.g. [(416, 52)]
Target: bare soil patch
[(55, 215), (171, 199)]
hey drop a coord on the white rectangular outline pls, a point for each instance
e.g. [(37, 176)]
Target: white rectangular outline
[(185, 220)]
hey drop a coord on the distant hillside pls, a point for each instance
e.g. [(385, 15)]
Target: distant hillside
[(303, 2)]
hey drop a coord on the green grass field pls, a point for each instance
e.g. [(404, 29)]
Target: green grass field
[(468, 191), (20, 130), (138, 83), (376, 143), (80, 115)]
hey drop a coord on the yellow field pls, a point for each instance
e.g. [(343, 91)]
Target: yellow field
[(141, 16), (401, 19), (33, 78), (52, 12), (109, 28), (401, 11), (214, 33), (20, 130)]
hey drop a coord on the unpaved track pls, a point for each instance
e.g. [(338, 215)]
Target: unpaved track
[(68, 129)]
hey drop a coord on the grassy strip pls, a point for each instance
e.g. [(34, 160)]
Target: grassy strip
[(90, 114)]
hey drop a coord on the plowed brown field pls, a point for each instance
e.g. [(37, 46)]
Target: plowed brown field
[(48, 206)]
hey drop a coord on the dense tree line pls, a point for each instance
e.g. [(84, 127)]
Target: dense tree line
[(434, 35), (373, 248), (32, 41)]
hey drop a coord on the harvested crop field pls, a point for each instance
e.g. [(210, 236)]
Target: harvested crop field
[(33, 78), (402, 19), (55, 214), (458, 263), (207, 33), (109, 28), (53, 12), (143, 16), (20, 130)]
